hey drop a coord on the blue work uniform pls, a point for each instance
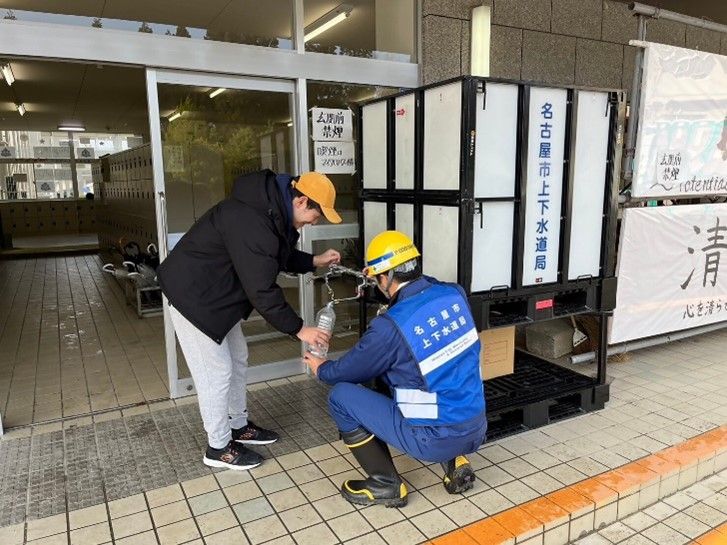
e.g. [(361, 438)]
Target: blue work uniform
[(426, 349)]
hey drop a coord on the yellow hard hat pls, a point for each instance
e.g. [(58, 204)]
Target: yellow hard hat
[(387, 251)]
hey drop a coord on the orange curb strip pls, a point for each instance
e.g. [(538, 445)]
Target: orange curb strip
[(519, 522), (558, 508), (571, 501), (484, 532), (718, 536), (662, 466), (598, 492), (547, 512)]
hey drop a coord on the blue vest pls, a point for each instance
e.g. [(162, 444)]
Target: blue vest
[(439, 329)]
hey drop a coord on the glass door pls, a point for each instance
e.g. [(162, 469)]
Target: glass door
[(208, 130)]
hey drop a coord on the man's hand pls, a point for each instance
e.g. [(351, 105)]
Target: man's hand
[(329, 257), (313, 336), (313, 362)]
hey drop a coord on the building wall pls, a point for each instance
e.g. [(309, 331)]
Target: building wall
[(568, 42)]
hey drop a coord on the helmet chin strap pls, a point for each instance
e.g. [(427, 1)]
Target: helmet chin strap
[(390, 277)]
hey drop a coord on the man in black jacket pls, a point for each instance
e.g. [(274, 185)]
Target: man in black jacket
[(225, 266)]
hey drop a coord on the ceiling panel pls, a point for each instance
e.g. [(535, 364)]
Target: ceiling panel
[(103, 98)]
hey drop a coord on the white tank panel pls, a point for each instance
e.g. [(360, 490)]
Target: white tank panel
[(374, 220), (440, 233), (589, 175), (496, 141), (492, 246), (374, 145), (404, 123), (442, 133), (405, 219)]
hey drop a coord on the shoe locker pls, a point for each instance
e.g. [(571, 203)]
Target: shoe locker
[(125, 202)]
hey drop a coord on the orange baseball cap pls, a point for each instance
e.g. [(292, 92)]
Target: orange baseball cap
[(319, 188)]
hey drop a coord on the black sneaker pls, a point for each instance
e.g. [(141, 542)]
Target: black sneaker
[(233, 456), (253, 435)]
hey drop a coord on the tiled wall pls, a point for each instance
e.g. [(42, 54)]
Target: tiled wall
[(568, 42), (126, 208), (48, 217)]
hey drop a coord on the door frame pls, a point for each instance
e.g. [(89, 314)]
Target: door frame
[(310, 234), (179, 387)]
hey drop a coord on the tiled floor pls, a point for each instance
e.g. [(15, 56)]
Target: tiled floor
[(94, 481), (88, 461), (70, 345), (676, 520)]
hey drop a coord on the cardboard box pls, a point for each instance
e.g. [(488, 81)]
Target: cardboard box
[(497, 353)]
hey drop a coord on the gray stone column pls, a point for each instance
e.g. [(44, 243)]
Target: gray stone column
[(446, 38)]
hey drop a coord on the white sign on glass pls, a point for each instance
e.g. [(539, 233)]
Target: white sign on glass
[(671, 270), (7, 152), (85, 153), (334, 157), (332, 124), (545, 152), (45, 186)]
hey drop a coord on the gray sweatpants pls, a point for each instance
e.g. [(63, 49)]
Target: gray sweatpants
[(219, 372)]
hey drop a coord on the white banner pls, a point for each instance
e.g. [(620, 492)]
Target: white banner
[(681, 146), (332, 124), (543, 194), (334, 157), (669, 275)]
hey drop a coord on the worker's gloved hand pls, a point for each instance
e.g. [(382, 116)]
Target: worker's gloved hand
[(329, 257), (313, 362), (313, 336)]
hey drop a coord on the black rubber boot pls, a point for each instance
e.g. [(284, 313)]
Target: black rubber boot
[(383, 485), (458, 475)]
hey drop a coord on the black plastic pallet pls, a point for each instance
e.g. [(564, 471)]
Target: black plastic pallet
[(533, 380), (536, 394)]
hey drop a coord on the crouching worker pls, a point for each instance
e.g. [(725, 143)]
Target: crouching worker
[(426, 349)]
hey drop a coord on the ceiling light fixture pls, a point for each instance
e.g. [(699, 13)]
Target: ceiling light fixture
[(175, 115), (21, 108), (329, 20), (72, 128), (217, 92), (8, 73)]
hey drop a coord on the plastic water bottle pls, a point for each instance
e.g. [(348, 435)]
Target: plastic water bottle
[(325, 320)]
